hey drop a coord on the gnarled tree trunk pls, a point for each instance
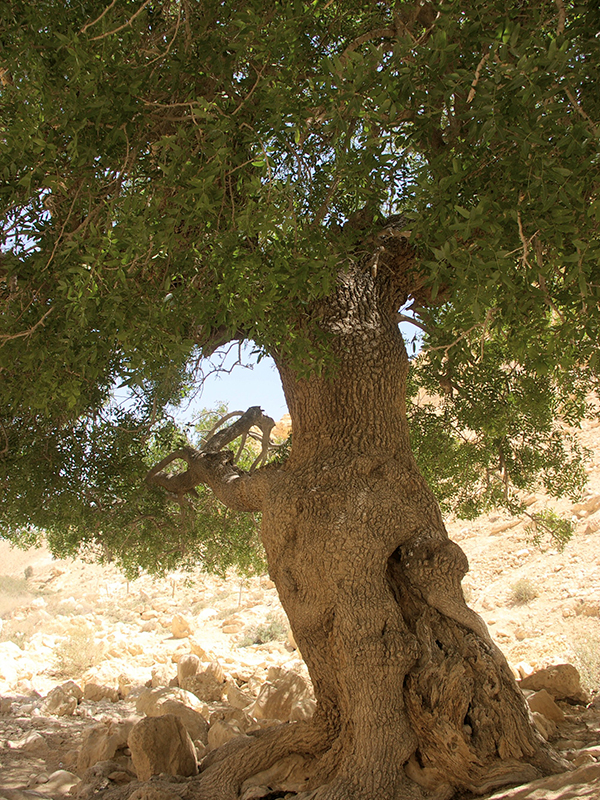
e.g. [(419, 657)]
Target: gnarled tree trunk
[(414, 699)]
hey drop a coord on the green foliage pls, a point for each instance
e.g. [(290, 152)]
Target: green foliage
[(175, 174), (497, 430), (89, 498), (548, 524)]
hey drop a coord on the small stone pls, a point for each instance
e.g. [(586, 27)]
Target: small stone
[(60, 703), (180, 627), (236, 627), (235, 697), (199, 651), (33, 743), (524, 669), (5, 705), (588, 608), (103, 743)]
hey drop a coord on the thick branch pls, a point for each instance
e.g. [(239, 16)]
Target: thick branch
[(239, 490)]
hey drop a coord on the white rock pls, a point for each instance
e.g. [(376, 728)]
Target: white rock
[(162, 744)]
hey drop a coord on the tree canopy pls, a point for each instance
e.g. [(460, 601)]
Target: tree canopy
[(177, 174)]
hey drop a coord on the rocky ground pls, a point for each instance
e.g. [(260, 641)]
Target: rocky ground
[(84, 655)]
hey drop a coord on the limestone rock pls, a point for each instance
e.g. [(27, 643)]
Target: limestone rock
[(199, 651), (161, 675), (96, 692), (286, 698), (562, 681), (583, 782), (234, 627), (33, 742), (151, 699), (103, 743), (208, 684), (60, 783), (543, 725), (180, 627), (95, 779), (193, 721), (62, 700), (5, 705), (590, 504), (236, 697), (222, 732), (187, 666), (543, 703), (162, 744)]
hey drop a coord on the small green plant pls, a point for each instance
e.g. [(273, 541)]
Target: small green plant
[(77, 653), (274, 629), (548, 523), (523, 591)]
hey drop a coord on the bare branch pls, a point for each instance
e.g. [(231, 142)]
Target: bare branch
[(97, 20), (8, 337), (220, 422), (376, 33), (447, 347), (253, 417), (125, 24), (215, 468), (562, 17), (578, 108), (480, 66), (413, 321)]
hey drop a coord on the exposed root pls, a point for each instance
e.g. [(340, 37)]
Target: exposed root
[(366, 788), (223, 779)]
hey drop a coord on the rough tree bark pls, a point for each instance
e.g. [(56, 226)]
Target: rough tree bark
[(413, 698)]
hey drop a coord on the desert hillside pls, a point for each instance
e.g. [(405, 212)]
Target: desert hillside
[(85, 654)]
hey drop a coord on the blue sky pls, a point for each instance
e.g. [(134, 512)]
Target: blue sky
[(255, 385), (242, 386)]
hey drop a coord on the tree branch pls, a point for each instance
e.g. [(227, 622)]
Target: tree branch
[(239, 490), (97, 20), (8, 337), (477, 76), (124, 25), (413, 321)]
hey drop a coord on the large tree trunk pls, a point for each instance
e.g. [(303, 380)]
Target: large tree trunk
[(414, 699)]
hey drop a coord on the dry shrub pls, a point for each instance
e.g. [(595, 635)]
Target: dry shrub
[(585, 644), (523, 591), (77, 652)]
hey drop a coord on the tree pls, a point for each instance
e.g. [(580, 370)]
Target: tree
[(181, 174)]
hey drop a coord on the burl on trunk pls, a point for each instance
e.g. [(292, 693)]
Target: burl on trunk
[(413, 698)]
